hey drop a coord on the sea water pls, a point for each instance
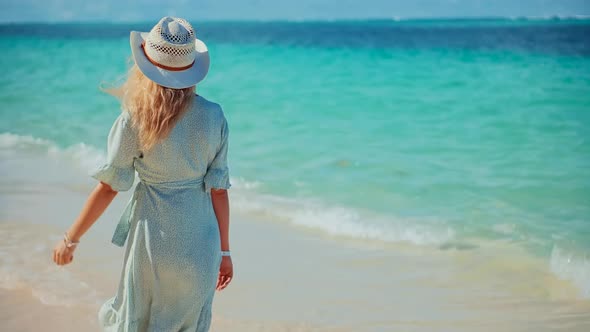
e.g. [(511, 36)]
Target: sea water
[(440, 133)]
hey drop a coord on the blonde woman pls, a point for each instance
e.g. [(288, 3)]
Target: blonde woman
[(177, 222)]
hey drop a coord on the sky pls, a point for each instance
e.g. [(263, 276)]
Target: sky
[(148, 10)]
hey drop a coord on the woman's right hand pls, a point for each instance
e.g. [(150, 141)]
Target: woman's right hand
[(226, 273)]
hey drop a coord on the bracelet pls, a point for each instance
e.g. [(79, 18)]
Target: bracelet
[(69, 243), (225, 253)]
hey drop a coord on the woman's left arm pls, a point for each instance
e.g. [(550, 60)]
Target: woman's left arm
[(100, 198)]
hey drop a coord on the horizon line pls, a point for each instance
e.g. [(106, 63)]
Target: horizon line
[(556, 17)]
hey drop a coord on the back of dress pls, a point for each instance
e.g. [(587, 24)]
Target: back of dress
[(196, 147), (173, 245)]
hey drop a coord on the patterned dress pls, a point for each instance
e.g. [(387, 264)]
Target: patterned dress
[(173, 253)]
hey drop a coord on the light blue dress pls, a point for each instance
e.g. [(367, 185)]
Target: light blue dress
[(173, 253)]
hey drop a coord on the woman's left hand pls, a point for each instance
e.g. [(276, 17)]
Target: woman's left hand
[(226, 273), (63, 255)]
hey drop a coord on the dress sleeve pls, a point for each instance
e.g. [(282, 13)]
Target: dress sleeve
[(217, 175), (122, 148)]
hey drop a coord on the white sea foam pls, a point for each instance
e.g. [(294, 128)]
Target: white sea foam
[(9, 140), (343, 221), (83, 156), (572, 267), (241, 183), (506, 229), (549, 17)]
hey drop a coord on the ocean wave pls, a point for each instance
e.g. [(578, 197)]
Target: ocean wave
[(83, 156), (344, 221), (572, 267), (548, 17)]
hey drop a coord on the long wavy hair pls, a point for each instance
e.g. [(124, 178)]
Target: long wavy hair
[(154, 109)]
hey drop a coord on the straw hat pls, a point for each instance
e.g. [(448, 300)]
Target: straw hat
[(170, 54)]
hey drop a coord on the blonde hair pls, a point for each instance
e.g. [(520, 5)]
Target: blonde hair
[(154, 109)]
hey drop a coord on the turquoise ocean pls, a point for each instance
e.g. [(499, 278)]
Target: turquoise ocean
[(438, 133)]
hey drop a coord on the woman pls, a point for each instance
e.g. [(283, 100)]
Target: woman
[(176, 224)]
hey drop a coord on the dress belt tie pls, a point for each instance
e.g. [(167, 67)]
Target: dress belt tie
[(124, 224)]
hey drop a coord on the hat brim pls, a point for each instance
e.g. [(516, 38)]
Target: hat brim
[(167, 78)]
